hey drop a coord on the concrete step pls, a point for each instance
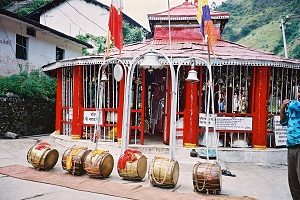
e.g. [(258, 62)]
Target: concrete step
[(182, 154)]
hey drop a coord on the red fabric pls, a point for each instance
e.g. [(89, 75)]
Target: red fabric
[(115, 26), (128, 156), (42, 145)]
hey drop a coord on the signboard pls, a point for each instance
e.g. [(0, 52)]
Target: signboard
[(202, 120), (234, 123), (92, 117), (280, 132), (227, 123)]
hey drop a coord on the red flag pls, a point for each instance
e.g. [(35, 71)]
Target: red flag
[(115, 23)]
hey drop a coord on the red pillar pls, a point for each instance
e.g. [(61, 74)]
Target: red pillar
[(259, 107), (191, 115), (120, 109), (200, 72), (144, 90), (77, 103), (166, 138), (58, 113)]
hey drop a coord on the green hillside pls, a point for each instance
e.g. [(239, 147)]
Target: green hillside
[(256, 23)]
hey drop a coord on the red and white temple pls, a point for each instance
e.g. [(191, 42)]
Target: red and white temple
[(249, 85)]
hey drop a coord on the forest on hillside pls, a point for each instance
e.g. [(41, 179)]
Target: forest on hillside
[(256, 23)]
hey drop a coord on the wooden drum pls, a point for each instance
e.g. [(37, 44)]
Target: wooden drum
[(132, 165), (207, 177), (164, 172), (42, 156), (98, 164), (73, 159)]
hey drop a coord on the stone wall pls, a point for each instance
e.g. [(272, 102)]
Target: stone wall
[(26, 116)]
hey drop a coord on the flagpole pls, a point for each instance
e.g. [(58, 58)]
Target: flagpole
[(211, 90), (106, 52), (99, 90), (172, 145)]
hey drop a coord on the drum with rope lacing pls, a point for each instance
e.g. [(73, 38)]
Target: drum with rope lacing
[(132, 165), (163, 172), (98, 164), (207, 177), (73, 159)]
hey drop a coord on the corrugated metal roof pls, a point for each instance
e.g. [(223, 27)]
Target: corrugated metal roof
[(224, 50), (226, 53)]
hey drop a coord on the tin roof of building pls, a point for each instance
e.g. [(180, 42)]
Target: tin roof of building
[(225, 53)]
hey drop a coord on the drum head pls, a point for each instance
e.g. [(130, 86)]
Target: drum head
[(142, 166), (107, 165), (175, 172), (51, 159)]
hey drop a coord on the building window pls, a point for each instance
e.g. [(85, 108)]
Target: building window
[(60, 53), (21, 47)]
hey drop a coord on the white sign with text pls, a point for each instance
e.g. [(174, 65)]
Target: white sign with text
[(234, 123), (92, 117), (280, 132), (227, 123), (202, 120)]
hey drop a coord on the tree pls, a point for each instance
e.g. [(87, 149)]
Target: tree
[(97, 41), (131, 34), (33, 6)]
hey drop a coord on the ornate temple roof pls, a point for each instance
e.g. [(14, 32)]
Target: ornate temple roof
[(185, 11), (184, 16)]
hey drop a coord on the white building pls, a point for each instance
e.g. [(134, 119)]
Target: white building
[(27, 44), (75, 17)]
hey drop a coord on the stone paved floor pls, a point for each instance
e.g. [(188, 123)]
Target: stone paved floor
[(259, 180)]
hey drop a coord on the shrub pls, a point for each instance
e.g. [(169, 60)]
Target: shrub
[(34, 84)]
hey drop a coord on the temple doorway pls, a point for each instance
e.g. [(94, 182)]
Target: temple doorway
[(155, 105)]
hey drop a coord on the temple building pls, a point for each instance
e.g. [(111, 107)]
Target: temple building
[(249, 86)]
